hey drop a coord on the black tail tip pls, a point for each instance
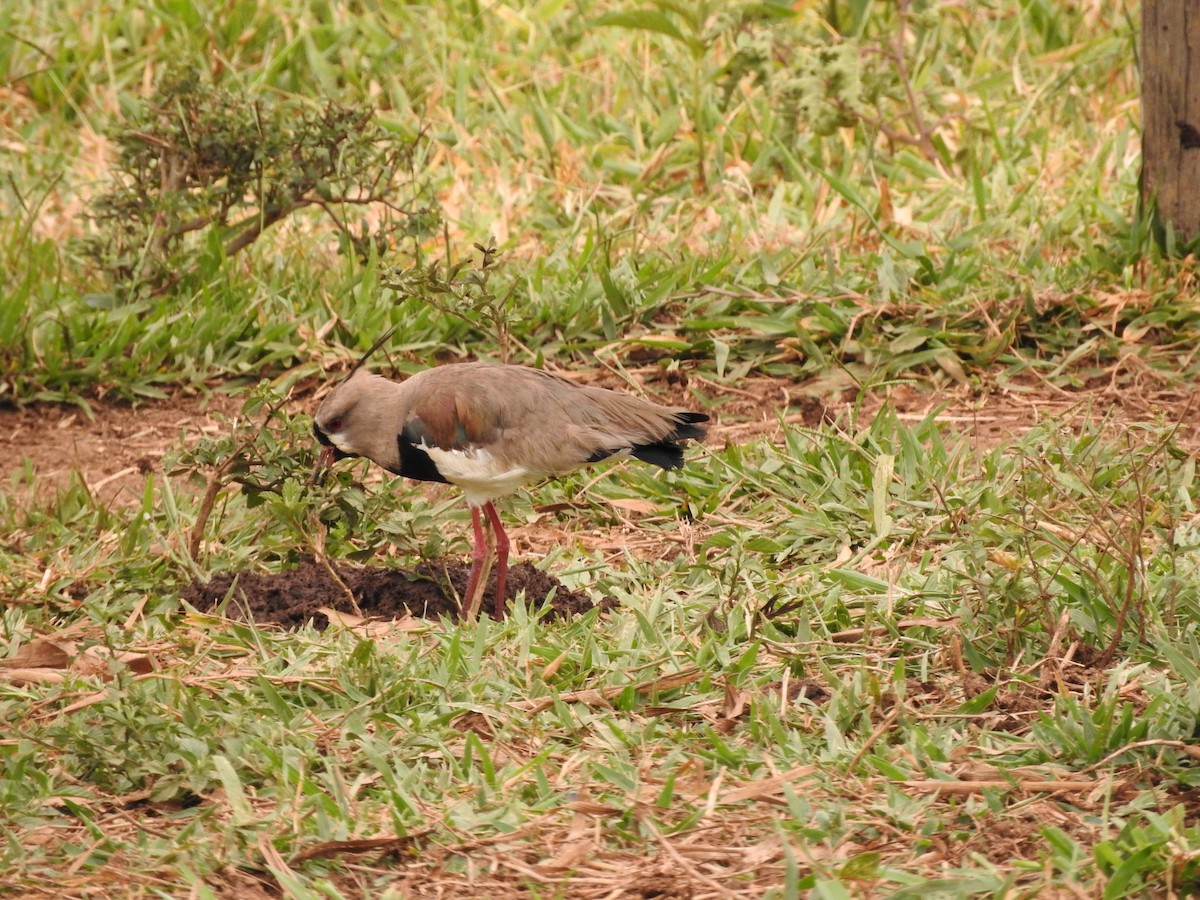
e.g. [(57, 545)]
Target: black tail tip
[(668, 452), (688, 426), (664, 454)]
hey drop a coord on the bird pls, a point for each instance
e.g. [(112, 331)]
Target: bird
[(489, 429)]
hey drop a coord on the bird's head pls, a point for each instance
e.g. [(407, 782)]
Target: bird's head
[(334, 420), (331, 425)]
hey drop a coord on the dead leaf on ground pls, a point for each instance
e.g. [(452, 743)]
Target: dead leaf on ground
[(602, 698), (41, 653), (46, 661), (634, 505), (390, 844), (372, 628), (568, 857), (34, 676), (765, 787)]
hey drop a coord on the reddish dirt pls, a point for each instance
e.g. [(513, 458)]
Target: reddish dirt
[(119, 444), (113, 450), (296, 596)]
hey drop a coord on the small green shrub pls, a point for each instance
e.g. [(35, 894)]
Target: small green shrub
[(203, 170)]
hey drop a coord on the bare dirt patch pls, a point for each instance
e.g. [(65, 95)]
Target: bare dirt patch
[(295, 596), (120, 444), (991, 418), (986, 418), (114, 449)]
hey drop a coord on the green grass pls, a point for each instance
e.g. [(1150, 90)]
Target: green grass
[(921, 648), (872, 658)]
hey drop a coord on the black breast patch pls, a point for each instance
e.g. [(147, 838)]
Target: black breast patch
[(414, 462)]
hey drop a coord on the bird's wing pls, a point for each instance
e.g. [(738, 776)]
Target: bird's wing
[(530, 420)]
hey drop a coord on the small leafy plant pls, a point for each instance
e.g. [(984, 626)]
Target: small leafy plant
[(267, 454), (460, 289), (208, 169)]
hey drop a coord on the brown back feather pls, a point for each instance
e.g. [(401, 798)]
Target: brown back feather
[(525, 418)]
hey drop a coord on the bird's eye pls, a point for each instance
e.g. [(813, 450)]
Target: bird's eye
[(335, 426)]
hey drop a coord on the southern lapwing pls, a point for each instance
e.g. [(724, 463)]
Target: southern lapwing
[(490, 429)]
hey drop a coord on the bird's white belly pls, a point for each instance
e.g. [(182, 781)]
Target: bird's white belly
[(481, 476)]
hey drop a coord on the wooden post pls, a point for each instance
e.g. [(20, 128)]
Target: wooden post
[(1171, 113)]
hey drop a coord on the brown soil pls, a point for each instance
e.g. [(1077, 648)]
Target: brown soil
[(115, 448), (118, 445), (113, 453), (303, 594)]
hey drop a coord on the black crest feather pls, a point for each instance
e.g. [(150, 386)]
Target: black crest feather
[(375, 346)]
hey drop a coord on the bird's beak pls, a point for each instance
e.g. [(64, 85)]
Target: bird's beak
[(324, 461)]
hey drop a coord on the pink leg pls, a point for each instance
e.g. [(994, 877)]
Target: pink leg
[(478, 555), (501, 557)]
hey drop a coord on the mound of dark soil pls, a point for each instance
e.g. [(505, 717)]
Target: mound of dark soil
[(295, 596)]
